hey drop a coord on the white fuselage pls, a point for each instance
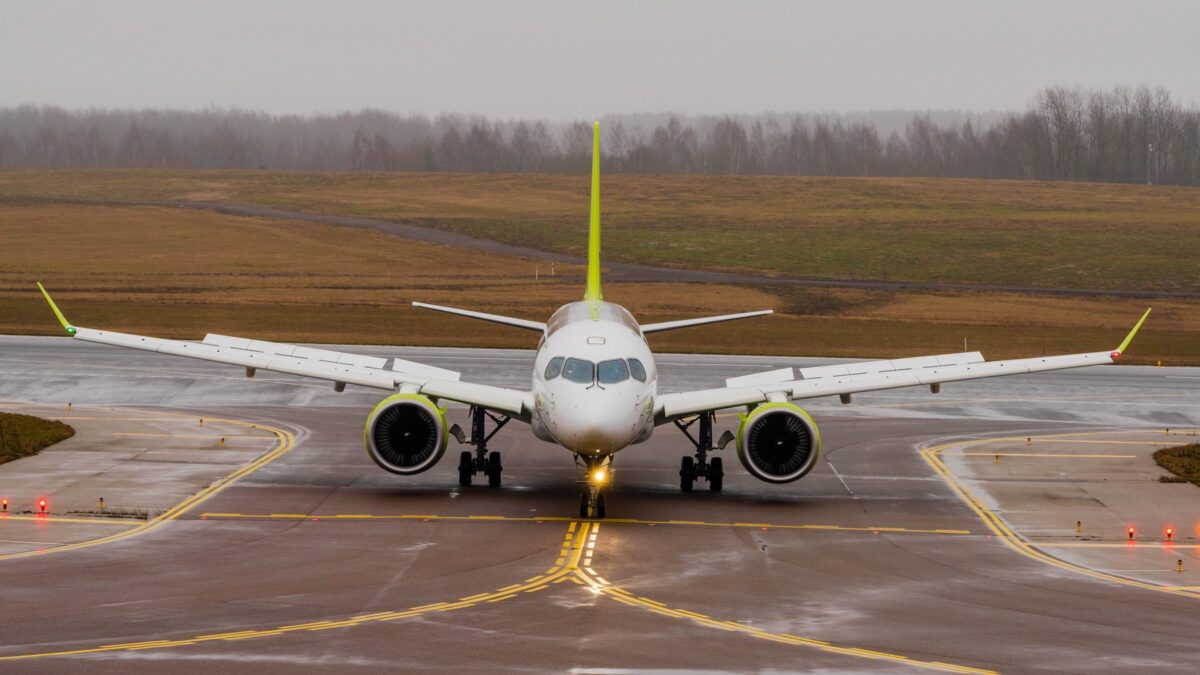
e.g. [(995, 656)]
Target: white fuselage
[(594, 380)]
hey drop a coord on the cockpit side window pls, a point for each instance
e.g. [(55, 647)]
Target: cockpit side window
[(554, 368), (578, 370), (612, 372), (637, 370)]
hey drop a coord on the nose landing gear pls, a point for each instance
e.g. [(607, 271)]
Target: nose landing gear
[(597, 476), (481, 461), (700, 466)]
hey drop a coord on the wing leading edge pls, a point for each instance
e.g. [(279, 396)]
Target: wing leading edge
[(852, 378), (337, 367)]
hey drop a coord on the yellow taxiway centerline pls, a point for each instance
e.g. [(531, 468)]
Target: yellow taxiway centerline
[(599, 586), (551, 519), (531, 585), (285, 443), (1055, 455), (933, 456), (90, 520)]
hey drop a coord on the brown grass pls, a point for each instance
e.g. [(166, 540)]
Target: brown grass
[(1182, 461), (23, 435), (974, 231), (180, 273)]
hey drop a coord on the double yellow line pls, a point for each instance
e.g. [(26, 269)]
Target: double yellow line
[(573, 564), (286, 441), (587, 576), (577, 537), (933, 456)]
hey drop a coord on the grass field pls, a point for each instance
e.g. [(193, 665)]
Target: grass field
[(1182, 461), (23, 435), (181, 272), (1021, 233)]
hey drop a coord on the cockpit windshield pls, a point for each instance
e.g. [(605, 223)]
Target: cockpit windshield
[(612, 372), (578, 370), (583, 371)]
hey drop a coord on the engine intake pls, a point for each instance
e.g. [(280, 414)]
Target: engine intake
[(778, 442), (406, 434)]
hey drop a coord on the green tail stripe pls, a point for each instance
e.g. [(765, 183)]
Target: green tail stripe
[(593, 294)]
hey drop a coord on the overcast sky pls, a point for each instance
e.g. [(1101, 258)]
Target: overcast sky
[(563, 60)]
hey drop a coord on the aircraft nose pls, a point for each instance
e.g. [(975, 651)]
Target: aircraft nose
[(596, 426)]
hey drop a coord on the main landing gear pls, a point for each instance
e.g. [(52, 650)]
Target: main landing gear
[(700, 466), (597, 475), (480, 461)]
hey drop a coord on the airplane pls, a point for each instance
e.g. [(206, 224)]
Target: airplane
[(594, 390)]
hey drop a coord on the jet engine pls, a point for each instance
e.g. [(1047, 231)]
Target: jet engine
[(778, 442), (406, 433)]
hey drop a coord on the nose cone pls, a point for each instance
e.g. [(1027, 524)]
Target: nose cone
[(598, 423)]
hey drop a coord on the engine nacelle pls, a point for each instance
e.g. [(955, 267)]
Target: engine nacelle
[(406, 433), (778, 442)]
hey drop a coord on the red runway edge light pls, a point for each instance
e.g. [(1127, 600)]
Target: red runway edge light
[(1131, 531), (42, 505), (1170, 533)]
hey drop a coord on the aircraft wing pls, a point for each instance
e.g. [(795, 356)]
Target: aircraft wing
[(851, 378), (337, 367)]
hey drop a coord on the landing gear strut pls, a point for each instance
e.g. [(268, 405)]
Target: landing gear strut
[(480, 461), (597, 476), (700, 466)]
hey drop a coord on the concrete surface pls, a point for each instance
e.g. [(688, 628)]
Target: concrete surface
[(318, 561), (1075, 496), (140, 462)]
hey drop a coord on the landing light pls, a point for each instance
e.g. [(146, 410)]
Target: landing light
[(599, 476)]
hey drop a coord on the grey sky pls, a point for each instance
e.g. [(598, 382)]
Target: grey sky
[(563, 60)]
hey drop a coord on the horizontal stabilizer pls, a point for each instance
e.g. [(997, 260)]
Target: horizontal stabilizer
[(686, 323), (494, 318)]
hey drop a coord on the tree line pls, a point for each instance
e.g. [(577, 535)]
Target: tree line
[(1065, 133)]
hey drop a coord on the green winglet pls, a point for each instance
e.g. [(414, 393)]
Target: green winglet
[(1129, 338), (57, 312)]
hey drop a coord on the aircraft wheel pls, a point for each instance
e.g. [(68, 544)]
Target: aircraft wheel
[(465, 470), (600, 506), (716, 474), (583, 505), (494, 469), (687, 473)]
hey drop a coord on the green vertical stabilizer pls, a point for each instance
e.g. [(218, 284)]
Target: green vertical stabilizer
[(593, 294)]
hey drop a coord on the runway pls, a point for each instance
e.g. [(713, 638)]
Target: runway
[(317, 560)]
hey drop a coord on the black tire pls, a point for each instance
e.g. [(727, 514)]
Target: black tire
[(465, 470), (600, 506), (716, 474), (583, 506), (494, 469), (687, 473)]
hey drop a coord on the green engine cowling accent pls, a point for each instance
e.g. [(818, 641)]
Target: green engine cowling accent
[(441, 433), (758, 412)]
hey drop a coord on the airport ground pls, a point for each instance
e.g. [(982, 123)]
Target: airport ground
[(938, 533)]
